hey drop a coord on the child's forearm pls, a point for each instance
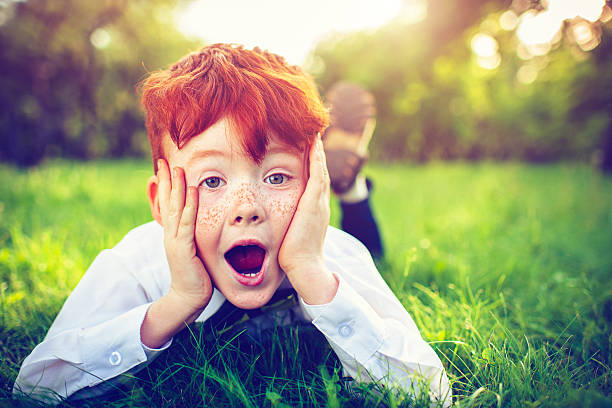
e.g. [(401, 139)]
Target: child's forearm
[(165, 317), (315, 284)]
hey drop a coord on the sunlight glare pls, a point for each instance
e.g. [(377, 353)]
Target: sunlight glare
[(568, 9), (508, 20), (582, 32), (413, 11), (539, 49), (100, 38), (484, 45), (584, 36), (289, 28), (538, 28), (489, 63), (486, 49)]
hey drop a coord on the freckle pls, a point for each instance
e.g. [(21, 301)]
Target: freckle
[(210, 218), (245, 194), (284, 207)]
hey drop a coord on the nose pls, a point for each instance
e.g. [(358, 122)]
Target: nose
[(247, 209)]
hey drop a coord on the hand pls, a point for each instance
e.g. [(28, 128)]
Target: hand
[(190, 282), (301, 253)]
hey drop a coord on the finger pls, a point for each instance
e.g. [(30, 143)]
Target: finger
[(186, 231), (314, 158), (177, 200), (325, 175), (163, 176), (319, 175), (315, 199)]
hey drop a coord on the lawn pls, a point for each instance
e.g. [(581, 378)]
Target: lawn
[(504, 267)]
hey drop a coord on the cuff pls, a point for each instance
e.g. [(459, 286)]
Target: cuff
[(153, 352), (349, 322), (114, 347)]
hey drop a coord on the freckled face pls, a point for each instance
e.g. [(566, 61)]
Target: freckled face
[(242, 206)]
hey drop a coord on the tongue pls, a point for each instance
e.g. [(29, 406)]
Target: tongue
[(247, 258)]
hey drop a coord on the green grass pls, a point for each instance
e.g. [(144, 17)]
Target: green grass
[(505, 268)]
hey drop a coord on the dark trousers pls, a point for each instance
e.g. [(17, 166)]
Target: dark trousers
[(358, 220)]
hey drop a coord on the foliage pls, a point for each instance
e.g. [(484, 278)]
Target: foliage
[(68, 75), (502, 266), (68, 83), (436, 102), (68, 79)]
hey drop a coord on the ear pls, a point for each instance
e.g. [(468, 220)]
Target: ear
[(152, 190)]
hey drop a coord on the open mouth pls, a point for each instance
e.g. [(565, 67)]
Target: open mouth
[(247, 260)]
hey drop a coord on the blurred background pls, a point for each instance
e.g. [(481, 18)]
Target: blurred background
[(526, 80)]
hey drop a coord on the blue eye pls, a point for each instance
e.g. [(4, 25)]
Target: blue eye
[(276, 178), (213, 182)]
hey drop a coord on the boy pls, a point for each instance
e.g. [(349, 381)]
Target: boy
[(240, 199)]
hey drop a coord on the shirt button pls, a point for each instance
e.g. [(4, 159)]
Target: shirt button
[(115, 358), (345, 330)]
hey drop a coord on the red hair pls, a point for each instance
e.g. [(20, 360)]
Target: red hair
[(257, 90)]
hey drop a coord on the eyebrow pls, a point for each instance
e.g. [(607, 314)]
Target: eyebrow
[(204, 154), (218, 153), (283, 149)]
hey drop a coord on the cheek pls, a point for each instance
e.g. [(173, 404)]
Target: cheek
[(211, 214), (282, 208)]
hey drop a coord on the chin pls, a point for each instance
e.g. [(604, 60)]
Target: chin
[(251, 299)]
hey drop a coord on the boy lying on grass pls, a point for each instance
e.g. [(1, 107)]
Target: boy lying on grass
[(240, 199)]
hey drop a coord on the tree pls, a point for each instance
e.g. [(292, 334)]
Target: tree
[(436, 101), (68, 71), (595, 96), (395, 63)]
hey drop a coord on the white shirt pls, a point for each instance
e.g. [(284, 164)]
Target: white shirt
[(96, 335)]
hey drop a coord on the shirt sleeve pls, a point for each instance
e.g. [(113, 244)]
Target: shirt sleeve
[(94, 338), (372, 334)]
